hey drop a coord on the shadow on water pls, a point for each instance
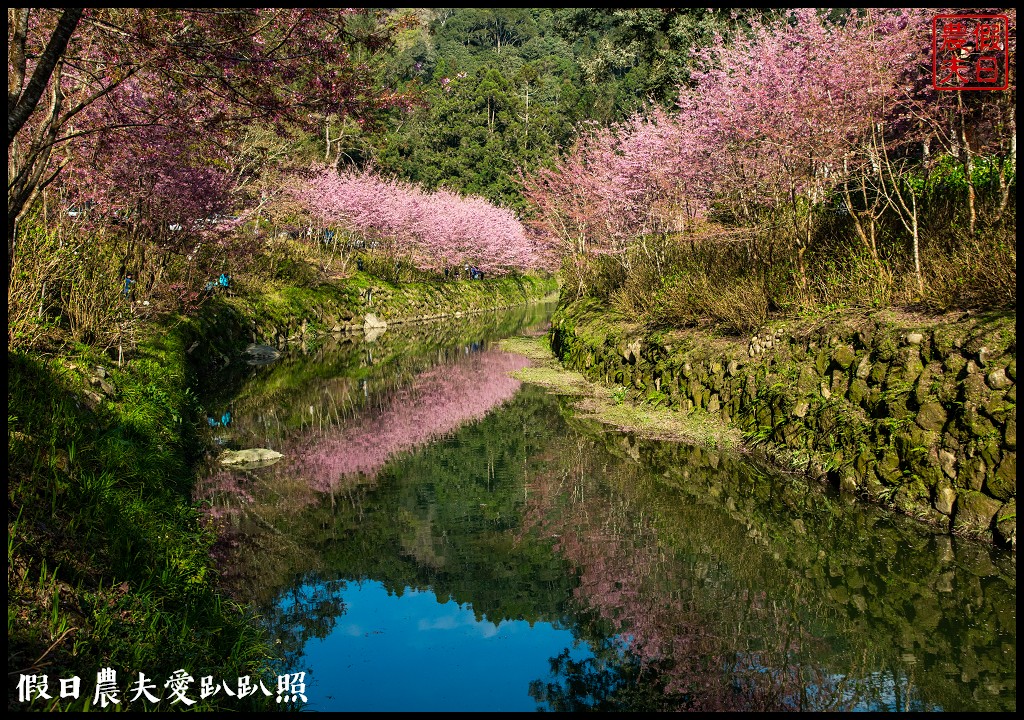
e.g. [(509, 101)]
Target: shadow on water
[(438, 536)]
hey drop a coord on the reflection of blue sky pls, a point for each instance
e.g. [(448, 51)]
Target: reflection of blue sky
[(415, 653)]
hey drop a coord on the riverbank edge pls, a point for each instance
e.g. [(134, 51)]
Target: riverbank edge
[(360, 304), (76, 605), (915, 413)]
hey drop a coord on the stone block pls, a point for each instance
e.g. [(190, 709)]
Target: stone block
[(947, 461), (931, 416), (843, 356), (1002, 483), (973, 512), (858, 392), (945, 497), (878, 373), (863, 368), (998, 380)]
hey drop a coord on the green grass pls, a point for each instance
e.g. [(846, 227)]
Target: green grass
[(108, 560)]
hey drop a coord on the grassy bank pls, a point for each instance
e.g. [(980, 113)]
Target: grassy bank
[(277, 311), (108, 555), (108, 562)]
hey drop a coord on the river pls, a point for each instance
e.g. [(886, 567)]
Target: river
[(440, 536)]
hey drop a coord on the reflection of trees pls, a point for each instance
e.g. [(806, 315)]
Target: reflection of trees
[(292, 384), (310, 609), (438, 518), (736, 590), (443, 519), (436, 403), (348, 434), (624, 578)]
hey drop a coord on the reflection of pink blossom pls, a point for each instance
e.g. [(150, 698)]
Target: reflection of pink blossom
[(438, 402), (221, 489)]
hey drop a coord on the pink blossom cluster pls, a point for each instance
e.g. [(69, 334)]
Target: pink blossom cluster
[(644, 175), (779, 116), (140, 116), (155, 177), (433, 230)]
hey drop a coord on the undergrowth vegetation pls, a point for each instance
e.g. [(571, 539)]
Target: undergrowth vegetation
[(736, 281), (108, 560)]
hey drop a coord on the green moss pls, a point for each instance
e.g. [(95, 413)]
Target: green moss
[(778, 401)]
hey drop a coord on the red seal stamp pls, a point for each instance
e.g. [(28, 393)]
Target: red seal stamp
[(970, 52)]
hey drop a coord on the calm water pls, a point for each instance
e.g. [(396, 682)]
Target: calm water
[(439, 536)]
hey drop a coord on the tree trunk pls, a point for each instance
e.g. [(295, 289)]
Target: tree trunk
[(21, 102), (968, 163)]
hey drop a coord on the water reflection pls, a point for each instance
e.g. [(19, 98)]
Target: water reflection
[(705, 562), (648, 576), (410, 631)]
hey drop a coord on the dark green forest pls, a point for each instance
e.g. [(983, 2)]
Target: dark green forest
[(504, 90)]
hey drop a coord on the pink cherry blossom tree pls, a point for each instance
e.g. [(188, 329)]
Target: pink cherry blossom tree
[(776, 123), (86, 85), (433, 230)]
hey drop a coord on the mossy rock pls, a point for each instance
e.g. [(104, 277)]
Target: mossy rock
[(912, 497), (927, 383), (972, 473), (973, 389), (897, 406), (912, 443), (1006, 524), (974, 512), (947, 341), (843, 356), (908, 367), (931, 416), (808, 380), (1002, 483), (822, 360), (886, 347), (977, 425), (878, 373), (888, 468), (858, 392), (954, 364)]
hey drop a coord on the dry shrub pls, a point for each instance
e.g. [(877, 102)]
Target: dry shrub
[(91, 296), (976, 273), (38, 259), (738, 304), (596, 276), (851, 279), (65, 282)]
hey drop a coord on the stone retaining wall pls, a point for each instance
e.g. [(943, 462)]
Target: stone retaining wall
[(917, 414)]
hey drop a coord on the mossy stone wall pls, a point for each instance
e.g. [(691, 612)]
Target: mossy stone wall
[(919, 414)]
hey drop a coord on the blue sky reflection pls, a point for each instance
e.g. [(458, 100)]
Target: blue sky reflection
[(414, 653)]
